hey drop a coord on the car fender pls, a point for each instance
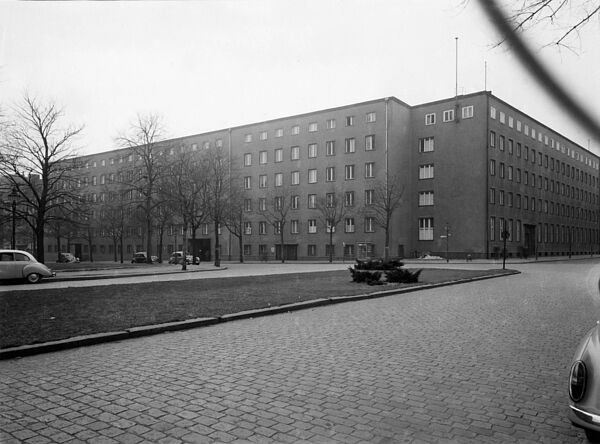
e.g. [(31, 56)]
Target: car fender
[(36, 268)]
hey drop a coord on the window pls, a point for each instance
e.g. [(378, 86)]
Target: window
[(425, 198), (294, 226), (295, 177), (369, 169), (330, 124), (219, 143), (426, 144), (349, 172), (330, 174), (510, 173), (247, 205), (312, 150), (295, 202), (247, 228), (492, 228), (311, 250), (312, 225), (263, 135), (248, 138), (370, 142), (278, 179), (247, 159), (501, 143), (279, 132), (510, 146), (492, 112), (349, 225), (278, 203), (349, 198), (426, 228), (501, 197), (492, 195), (247, 250), (369, 197), (262, 181), (279, 155), (295, 130), (102, 179), (350, 145), (430, 119), (492, 167), (511, 121), (330, 200), (371, 117), (349, 120), (518, 125), (501, 170), (467, 112), (312, 176), (448, 115), (312, 127), (426, 171), (93, 180), (262, 157), (262, 227), (502, 117), (492, 139), (369, 224), (312, 201), (295, 153), (330, 148)]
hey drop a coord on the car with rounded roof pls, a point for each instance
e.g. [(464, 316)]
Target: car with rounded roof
[(18, 264), (584, 385), (141, 257)]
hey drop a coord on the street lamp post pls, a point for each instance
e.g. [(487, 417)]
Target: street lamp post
[(505, 236), (447, 237), (14, 195)]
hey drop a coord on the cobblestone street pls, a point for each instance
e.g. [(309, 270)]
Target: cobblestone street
[(479, 362)]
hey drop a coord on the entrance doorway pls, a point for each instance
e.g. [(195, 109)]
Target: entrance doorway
[(290, 252), (529, 240)]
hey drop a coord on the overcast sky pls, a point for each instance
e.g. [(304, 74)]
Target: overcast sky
[(208, 65)]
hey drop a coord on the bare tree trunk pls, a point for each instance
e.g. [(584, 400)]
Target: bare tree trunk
[(217, 246), (331, 243)]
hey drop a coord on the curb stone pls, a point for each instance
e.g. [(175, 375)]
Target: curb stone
[(135, 332)]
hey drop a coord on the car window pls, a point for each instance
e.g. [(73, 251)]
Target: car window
[(21, 257), (6, 257)]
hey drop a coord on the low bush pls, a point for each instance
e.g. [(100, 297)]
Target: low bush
[(378, 264), (370, 277), (370, 272)]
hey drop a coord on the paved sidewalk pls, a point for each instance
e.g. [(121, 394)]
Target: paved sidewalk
[(481, 362)]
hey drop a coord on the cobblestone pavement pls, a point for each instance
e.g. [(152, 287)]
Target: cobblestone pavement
[(479, 362)]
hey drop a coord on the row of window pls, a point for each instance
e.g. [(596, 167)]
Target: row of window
[(311, 250), (312, 150), (542, 160), (542, 138), (330, 124), (311, 226), (330, 201), (546, 233), (449, 116), (543, 206), (330, 176), (556, 187)]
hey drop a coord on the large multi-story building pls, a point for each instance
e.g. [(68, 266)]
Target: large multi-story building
[(472, 167)]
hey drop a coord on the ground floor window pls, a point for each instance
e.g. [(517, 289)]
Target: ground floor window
[(426, 228), (329, 250), (247, 250), (349, 250), (262, 251), (311, 250)]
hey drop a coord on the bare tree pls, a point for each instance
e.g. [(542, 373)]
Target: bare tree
[(145, 142), (113, 219), (385, 200), (234, 215), (184, 188), (276, 209), (216, 168), (566, 17), (332, 211), (38, 162)]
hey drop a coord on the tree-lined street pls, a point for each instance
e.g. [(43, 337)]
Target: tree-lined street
[(484, 361)]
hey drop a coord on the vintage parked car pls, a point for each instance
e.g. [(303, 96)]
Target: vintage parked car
[(67, 257), (17, 264), (141, 257), (177, 258), (584, 385)]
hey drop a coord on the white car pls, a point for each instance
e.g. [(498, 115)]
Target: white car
[(177, 258), (17, 264)]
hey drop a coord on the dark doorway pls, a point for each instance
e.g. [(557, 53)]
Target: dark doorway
[(529, 240), (77, 250), (201, 249), (290, 252)]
